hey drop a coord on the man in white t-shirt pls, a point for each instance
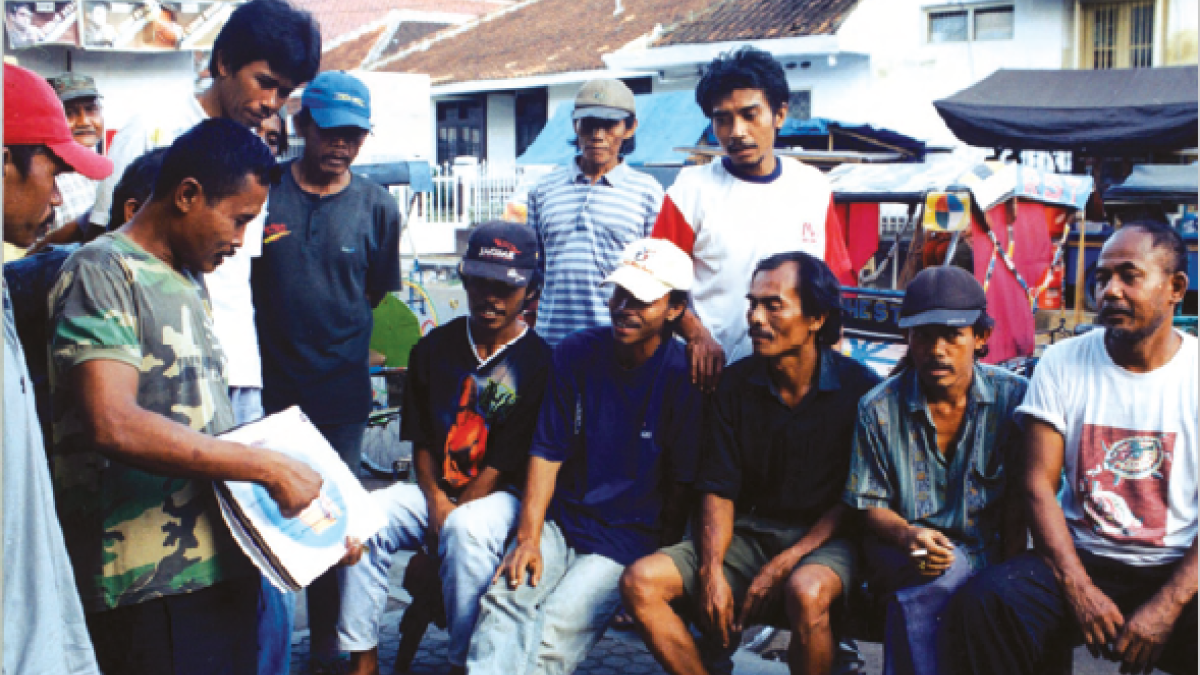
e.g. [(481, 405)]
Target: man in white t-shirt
[(265, 50), (730, 214), (1112, 416)]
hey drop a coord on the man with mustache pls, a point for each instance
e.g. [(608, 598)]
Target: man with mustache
[(776, 449), (330, 255), (81, 102), (936, 449), (586, 213), (730, 214), (614, 452), (139, 393), (44, 626), (471, 404), (1109, 486)]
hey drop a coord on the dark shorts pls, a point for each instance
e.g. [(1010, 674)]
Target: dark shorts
[(755, 542), (207, 632)]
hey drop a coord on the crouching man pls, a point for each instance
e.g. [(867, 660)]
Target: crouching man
[(934, 453), (470, 407), (614, 450), (776, 453)]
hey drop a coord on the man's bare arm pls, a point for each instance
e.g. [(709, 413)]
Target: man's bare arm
[(1146, 632), (705, 354), (481, 486), (715, 601), (121, 429), (1097, 615), (539, 489)]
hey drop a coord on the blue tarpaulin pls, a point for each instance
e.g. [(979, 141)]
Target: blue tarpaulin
[(814, 133), (666, 120)]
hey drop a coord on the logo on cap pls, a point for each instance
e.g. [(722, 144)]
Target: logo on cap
[(503, 250)]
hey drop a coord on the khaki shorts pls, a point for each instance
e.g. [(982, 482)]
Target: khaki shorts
[(755, 542)]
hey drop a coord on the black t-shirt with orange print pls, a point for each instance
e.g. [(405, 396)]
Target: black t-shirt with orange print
[(470, 415)]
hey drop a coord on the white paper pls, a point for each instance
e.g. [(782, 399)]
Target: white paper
[(308, 545)]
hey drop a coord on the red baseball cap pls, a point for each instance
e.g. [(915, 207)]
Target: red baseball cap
[(33, 115)]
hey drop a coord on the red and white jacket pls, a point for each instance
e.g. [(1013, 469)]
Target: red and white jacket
[(728, 223)]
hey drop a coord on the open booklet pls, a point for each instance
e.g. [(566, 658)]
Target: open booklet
[(292, 552)]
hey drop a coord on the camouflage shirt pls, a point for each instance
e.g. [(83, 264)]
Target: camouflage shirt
[(133, 536)]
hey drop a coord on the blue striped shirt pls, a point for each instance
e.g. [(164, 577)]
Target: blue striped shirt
[(583, 228)]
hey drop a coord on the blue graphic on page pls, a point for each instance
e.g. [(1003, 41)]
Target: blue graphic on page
[(320, 525)]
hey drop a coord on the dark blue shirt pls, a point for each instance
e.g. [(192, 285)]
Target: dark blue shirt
[(623, 437), (322, 257), (30, 280)]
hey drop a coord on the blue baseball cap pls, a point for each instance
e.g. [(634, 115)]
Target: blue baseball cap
[(337, 99)]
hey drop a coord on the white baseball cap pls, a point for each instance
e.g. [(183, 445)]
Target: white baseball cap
[(651, 268)]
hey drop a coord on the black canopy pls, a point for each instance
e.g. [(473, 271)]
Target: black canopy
[(1096, 112)]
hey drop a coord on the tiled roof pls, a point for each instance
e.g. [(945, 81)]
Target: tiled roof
[(351, 53), (542, 37), (407, 33), (732, 20), (339, 17)]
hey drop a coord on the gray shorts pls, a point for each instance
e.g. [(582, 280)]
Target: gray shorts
[(755, 542)]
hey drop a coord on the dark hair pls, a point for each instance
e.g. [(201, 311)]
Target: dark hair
[(218, 154), (745, 68), (22, 156), (819, 291), (1166, 237), (137, 182), (12, 9), (283, 133), (627, 146), (273, 31)]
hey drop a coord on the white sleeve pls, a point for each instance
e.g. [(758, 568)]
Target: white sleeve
[(1045, 400), (131, 142)]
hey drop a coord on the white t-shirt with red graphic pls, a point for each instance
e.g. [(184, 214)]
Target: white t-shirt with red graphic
[(1130, 448), (729, 222)]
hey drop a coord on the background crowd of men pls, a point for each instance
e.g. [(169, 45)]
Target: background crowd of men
[(678, 435)]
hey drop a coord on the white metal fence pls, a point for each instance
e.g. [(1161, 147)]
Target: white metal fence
[(463, 196)]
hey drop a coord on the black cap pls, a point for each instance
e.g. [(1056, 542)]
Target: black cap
[(944, 295), (501, 251)]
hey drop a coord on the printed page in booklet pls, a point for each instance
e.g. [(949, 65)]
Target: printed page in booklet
[(291, 552)]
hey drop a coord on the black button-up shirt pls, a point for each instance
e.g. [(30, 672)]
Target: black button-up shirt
[(774, 461)]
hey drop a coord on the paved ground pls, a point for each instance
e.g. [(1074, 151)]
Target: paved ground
[(619, 653)]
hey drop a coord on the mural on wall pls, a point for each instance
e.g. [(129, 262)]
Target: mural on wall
[(30, 24), (137, 26)]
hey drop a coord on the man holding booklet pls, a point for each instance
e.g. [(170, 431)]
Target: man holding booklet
[(139, 392)]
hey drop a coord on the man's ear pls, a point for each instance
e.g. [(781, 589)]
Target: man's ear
[(781, 115), (8, 160), (1179, 285), (631, 129), (187, 195), (222, 67)]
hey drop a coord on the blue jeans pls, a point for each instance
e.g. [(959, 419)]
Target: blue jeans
[(276, 620), (549, 628), (471, 547), (247, 403)]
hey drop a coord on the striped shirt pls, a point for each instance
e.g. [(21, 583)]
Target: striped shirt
[(78, 195), (583, 228)]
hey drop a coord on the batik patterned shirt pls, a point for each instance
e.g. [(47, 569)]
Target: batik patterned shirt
[(897, 465), (134, 536)]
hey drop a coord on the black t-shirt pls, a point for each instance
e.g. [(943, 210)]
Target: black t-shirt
[(321, 258), (772, 461), (470, 416)]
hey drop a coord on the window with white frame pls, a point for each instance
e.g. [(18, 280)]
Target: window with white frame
[(971, 23)]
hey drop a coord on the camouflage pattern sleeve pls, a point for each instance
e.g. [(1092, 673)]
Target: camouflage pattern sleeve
[(93, 314)]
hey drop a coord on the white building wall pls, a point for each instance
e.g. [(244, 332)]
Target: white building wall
[(560, 93), (129, 82), (907, 73), (502, 129), (1180, 33)]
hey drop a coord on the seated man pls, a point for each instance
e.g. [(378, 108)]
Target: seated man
[(933, 452), (470, 406), (1112, 416), (614, 450), (777, 449)]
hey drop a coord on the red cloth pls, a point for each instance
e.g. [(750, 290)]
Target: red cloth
[(862, 232), (1008, 303)]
